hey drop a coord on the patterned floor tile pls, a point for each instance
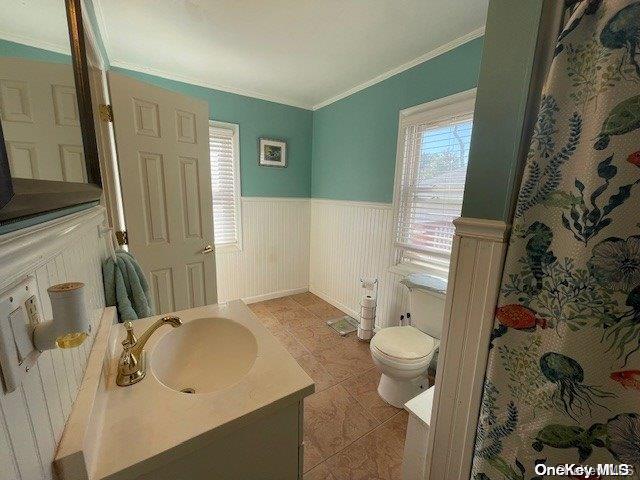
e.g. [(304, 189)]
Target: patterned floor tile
[(333, 420), (377, 455), (321, 472), (317, 372), (350, 432), (364, 388)]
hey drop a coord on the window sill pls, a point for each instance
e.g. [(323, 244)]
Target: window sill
[(403, 270)]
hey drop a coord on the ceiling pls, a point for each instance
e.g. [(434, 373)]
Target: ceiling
[(299, 52), (39, 23)]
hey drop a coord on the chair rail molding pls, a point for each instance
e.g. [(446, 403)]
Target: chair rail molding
[(479, 248), (22, 250)]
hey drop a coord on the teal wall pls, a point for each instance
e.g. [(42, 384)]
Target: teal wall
[(257, 118), (354, 139), (18, 50), (505, 76)]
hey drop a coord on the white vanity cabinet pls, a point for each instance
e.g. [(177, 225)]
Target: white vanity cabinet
[(236, 426)]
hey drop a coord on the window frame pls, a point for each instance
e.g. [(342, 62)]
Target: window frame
[(435, 111), (237, 188)]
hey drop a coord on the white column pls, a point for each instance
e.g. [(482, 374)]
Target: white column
[(479, 248)]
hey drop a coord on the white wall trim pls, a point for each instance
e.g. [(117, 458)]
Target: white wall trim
[(274, 199), (285, 101), (207, 84), (443, 107), (479, 248), (269, 296), (412, 63), (353, 203), (346, 309), (493, 230), (23, 250)]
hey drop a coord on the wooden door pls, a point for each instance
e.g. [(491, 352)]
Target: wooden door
[(40, 120), (163, 156)]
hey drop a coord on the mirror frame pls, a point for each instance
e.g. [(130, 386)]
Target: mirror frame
[(23, 197)]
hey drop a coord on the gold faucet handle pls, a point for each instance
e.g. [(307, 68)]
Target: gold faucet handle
[(173, 320), (131, 338)]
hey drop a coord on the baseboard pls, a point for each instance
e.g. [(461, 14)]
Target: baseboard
[(272, 295), (333, 302)]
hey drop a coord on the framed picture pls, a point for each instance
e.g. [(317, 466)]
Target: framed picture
[(273, 153)]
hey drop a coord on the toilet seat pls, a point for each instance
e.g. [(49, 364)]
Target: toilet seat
[(406, 345)]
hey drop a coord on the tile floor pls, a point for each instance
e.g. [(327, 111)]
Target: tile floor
[(350, 432)]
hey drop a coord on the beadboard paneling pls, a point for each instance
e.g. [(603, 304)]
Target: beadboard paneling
[(477, 257), (32, 417), (274, 260), (351, 240)]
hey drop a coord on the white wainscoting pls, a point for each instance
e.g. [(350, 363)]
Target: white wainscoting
[(479, 248), (32, 418), (351, 240), (274, 260)]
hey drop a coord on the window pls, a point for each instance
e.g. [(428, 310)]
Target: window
[(433, 151), (224, 155)]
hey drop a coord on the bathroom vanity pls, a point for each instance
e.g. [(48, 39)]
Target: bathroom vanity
[(241, 417)]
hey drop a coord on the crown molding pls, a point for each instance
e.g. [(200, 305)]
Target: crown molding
[(203, 83), (394, 71), (285, 101), (22, 250)]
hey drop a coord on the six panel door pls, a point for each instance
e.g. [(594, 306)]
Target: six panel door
[(163, 156)]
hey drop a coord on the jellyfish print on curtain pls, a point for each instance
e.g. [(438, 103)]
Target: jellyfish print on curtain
[(563, 379)]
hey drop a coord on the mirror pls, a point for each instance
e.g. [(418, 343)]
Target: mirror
[(50, 147), (40, 117)]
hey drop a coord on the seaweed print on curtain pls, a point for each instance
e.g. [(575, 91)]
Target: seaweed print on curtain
[(563, 379)]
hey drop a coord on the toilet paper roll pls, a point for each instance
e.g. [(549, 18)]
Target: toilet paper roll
[(367, 323), (367, 313), (368, 301)]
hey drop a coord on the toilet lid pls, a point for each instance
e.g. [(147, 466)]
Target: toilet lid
[(407, 343)]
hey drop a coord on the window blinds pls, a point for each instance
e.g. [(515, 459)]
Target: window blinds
[(225, 185), (434, 167)]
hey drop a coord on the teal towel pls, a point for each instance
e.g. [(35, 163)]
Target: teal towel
[(126, 288)]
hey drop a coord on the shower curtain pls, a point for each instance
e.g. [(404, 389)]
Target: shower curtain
[(563, 378)]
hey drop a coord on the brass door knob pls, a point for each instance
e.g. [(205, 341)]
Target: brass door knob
[(207, 249)]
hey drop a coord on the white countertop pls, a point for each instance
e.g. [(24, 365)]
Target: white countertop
[(146, 421)]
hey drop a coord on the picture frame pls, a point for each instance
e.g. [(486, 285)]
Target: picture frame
[(272, 152)]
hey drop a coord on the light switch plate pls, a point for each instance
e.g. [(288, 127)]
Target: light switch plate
[(21, 333), (18, 305)]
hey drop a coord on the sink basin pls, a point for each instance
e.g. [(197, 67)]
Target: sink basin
[(204, 355)]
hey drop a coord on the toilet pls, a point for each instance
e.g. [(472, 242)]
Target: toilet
[(402, 354)]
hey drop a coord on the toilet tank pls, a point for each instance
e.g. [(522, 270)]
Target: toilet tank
[(426, 303)]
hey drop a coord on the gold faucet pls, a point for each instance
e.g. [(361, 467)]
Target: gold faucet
[(132, 364)]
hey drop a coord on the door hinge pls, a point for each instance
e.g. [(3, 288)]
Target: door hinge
[(106, 113), (122, 237)]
